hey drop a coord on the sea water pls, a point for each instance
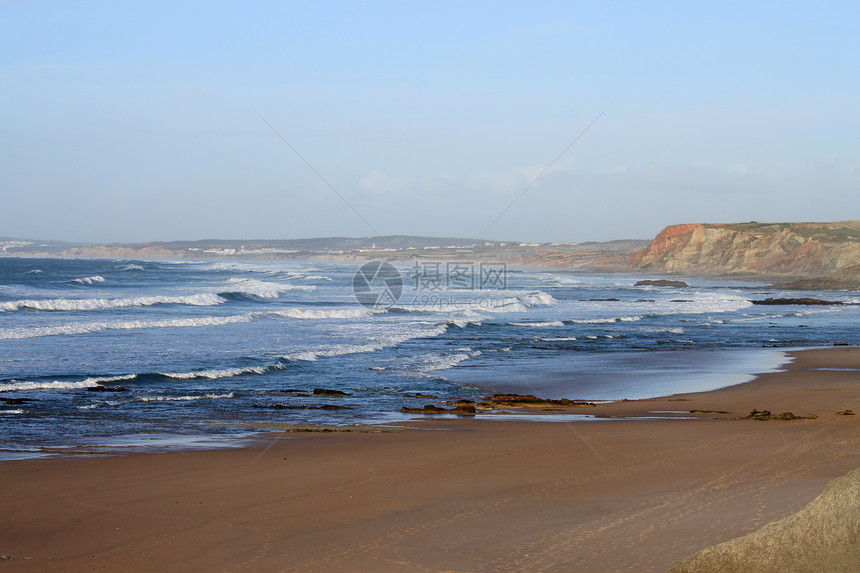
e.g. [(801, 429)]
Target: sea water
[(205, 349)]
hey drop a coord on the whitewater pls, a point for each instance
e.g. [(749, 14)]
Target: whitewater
[(94, 352)]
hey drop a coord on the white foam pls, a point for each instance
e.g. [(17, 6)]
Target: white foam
[(27, 386), (101, 379), (222, 373), (606, 320), (89, 327), (131, 267), (18, 411), (672, 330), (377, 344), (183, 398), (472, 301), (440, 361), (89, 280), (538, 324), (72, 304), (262, 289), (464, 322), (434, 362), (85, 383), (516, 303), (320, 313), (560, 338)]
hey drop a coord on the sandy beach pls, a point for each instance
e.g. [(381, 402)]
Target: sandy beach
[(455, 495)]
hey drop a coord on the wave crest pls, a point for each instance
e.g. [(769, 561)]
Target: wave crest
[(216, 374), (89, 280), (252, 288), (72, 304)]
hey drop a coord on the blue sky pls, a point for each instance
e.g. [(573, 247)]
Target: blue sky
[(132, 121)]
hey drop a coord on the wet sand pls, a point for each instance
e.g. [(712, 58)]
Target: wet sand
[(465, 495)]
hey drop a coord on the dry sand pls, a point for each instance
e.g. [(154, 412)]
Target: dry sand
[(464, 495)]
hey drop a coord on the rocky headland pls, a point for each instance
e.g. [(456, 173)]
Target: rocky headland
[(815, 255)]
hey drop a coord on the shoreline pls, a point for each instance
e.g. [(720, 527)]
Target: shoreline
[(663, 371), (473, 495)]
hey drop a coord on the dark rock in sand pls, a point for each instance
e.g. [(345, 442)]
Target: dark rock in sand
[(767, 415), (422, 396), (484, 406), (795, 301), (328, 392), (845, 413), (526, 400), (662, 283), (432, 409)]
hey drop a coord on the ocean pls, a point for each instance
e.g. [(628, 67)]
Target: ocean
[(150, 354)]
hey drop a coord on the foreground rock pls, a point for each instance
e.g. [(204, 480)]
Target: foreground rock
[(824, 536), (796, 301)]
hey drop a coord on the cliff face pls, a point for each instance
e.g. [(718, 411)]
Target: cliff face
[(770, 250)]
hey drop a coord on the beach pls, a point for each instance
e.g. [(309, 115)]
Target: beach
[(616, 494)]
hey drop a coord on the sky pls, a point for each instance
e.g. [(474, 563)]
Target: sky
[(136, 121)]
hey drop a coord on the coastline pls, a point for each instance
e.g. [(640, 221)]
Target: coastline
[(474, 495)]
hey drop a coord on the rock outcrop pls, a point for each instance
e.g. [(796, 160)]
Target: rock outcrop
[(823, 537), (847, 278), (805, 301), (752, 249)]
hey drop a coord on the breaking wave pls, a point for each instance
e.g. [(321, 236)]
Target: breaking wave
[(25, 386), (606, 320), (315, 313), (72, 304), (89, 280), (378, 344), (89, 327), (538, 324), (216, 374), (183, 398), (252, 288)]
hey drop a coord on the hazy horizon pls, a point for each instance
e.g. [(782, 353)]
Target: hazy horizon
[(129, 122)]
